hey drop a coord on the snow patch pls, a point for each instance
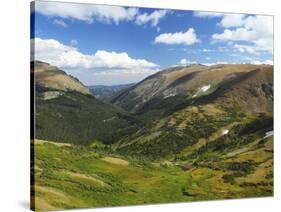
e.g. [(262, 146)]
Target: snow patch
[(51, 95), (170, 95), (205, 88), (268, 134), (225, 132)]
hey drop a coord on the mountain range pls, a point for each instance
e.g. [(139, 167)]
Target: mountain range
[(167, 95), (223, 84), (66, 111), (183, 134), (107, 92)]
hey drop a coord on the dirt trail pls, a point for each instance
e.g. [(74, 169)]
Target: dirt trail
[(38, 141), (86, 177), (116, 161)]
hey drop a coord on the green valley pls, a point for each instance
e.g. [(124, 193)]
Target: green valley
[(71, 176), (184, 134)]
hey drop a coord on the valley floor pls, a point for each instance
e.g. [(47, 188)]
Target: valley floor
[(71, 176)]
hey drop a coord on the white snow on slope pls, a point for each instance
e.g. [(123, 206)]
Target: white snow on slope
[(225, 132), (268, 134), (203, 89), (170, 95)]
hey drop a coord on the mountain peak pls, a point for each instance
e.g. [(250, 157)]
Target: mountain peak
[(199, 82), (51, 77)]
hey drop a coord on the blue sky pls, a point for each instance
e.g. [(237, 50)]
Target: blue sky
[(117, 45)]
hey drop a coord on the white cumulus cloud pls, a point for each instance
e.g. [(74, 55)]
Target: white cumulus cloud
[(267, 62), (102, 67), (58, 54), (217, 63), (245, 48), (232, 20), (184, 62), (257, 31), (227, 19), (187, 38), (60, 22), (86, 12), (202, 14), (152, 18), (239, 34)]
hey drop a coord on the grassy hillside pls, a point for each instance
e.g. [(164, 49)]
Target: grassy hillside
[(194, 127), (70, 176), (76, 118), (178, 87), (51, 77), (67, 112)]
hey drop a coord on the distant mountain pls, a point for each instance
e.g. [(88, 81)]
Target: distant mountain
[(186, 109), (228, 84), (172, 114), (251, 91), (67, 112), (107, 92), (50, 77)]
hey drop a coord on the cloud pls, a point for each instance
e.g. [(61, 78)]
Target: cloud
[(254, 62), (202, 14), (267, 62), (208, 50), (60, 22), (217, 63), (239, 34), (228, 19), (64, 56), (186, 62), (86, 12), (187, 38), (246, 48), (232, 20), (256, 31), (115, 77), (93, 13), (89, 67), (74, 42), (152, 18)]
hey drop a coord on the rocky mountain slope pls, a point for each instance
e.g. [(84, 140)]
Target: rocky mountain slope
[(50, 77), (67, 112), (228, 84), (198, 104), (169, 111)]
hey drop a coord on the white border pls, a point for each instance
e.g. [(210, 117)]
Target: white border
[(14, 149)]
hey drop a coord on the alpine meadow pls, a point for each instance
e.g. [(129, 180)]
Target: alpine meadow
[(145, 106)]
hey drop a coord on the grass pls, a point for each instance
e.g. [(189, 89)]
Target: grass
[(169, 136), (76, 118), (71, 176)]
